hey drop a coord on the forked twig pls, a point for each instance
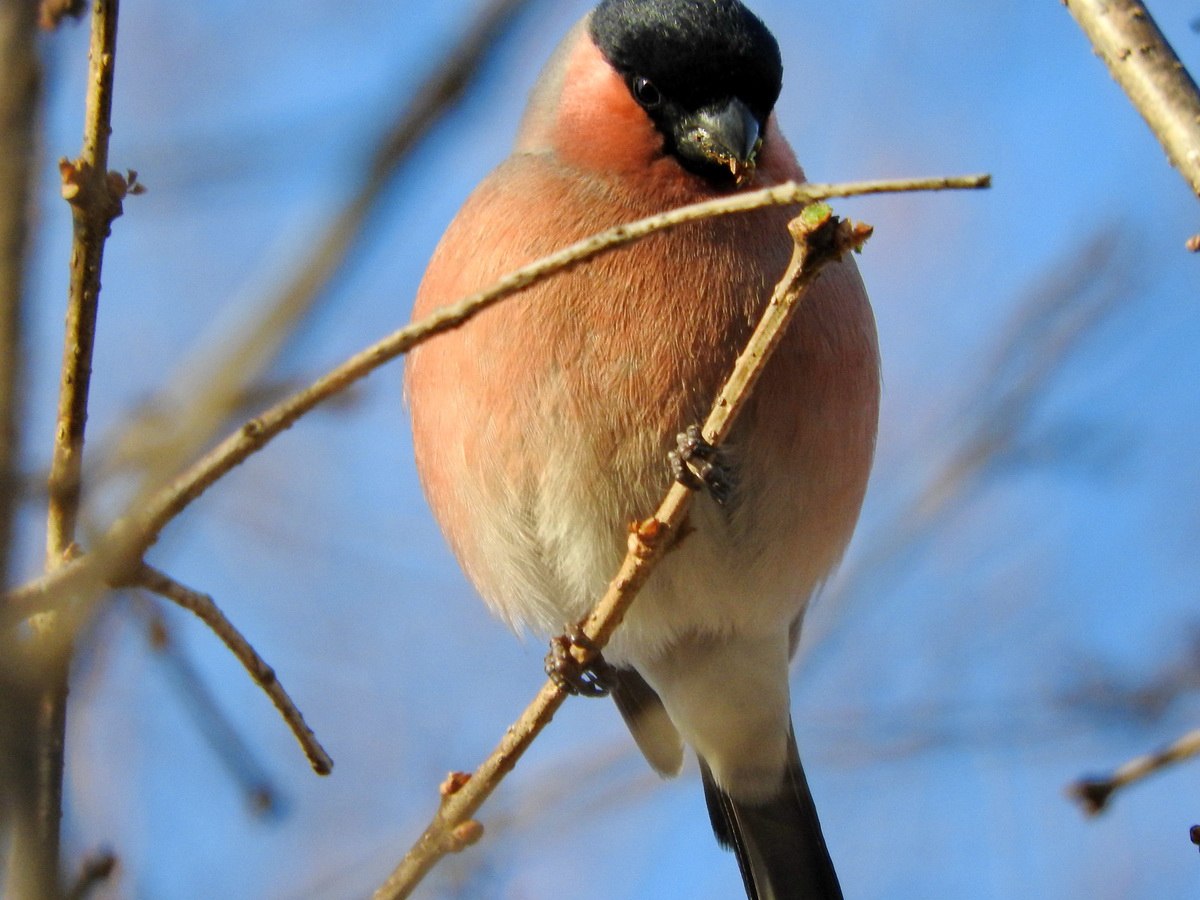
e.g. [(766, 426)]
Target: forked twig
[(206, 609), (820, 238)]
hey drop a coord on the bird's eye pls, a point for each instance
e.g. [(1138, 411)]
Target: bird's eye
[(646, 93)]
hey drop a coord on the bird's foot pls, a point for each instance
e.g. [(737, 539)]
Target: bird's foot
[(697, 464), (591, 679)]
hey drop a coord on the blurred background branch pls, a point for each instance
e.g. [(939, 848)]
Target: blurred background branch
[(20, 91), (215, 387)]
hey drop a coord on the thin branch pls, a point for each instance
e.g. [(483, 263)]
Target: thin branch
[(206, 609), (1095, 793), (95, 201), (255, 434), (95, 198), (820, 238), (1143, 63), (122, 547)]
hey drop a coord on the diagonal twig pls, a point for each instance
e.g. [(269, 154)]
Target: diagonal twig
[(133, 533), (1143, 63), (206, 609), (1095, 793), (820, 238)]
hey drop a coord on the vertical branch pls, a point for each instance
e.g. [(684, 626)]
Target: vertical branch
[(20, 87), (1143, 63), (95, 197), (94, 205), (19, 90)]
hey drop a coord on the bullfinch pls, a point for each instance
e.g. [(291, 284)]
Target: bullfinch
[(543, 426)]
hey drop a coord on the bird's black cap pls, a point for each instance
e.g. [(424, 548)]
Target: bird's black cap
[(694, 51)]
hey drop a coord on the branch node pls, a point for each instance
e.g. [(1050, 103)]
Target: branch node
[(454, 782), (464, 835), (645, 536)]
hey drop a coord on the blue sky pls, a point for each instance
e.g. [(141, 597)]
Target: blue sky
[(962, 669)]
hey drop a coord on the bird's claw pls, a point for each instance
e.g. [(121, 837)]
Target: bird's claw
[(696, 464), (591, 679)]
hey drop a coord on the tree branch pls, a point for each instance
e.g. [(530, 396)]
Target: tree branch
[(20, 90), (206, 609), (1125, 36), (1095, 793), (820, 238), (122, 547), (27, 871), (95, 202), (95, 197), (119, 553), (166, 504)]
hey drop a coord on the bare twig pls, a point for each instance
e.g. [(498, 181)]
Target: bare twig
[(95, 200), (206, 609), (121, 549), (169, 502), (1095, 793), (1143, 63), (95, 197), (819, 239)]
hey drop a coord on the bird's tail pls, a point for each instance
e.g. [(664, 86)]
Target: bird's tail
[(779, 845)]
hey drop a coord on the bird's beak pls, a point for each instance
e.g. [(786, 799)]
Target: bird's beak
[(727, 134)]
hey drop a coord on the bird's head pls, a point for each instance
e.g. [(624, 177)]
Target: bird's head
[(707, 73), (643, 83)]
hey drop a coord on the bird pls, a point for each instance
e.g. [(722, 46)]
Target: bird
[(544, 425)]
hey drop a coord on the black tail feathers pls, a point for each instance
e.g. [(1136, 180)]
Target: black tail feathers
[(779, 845)]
